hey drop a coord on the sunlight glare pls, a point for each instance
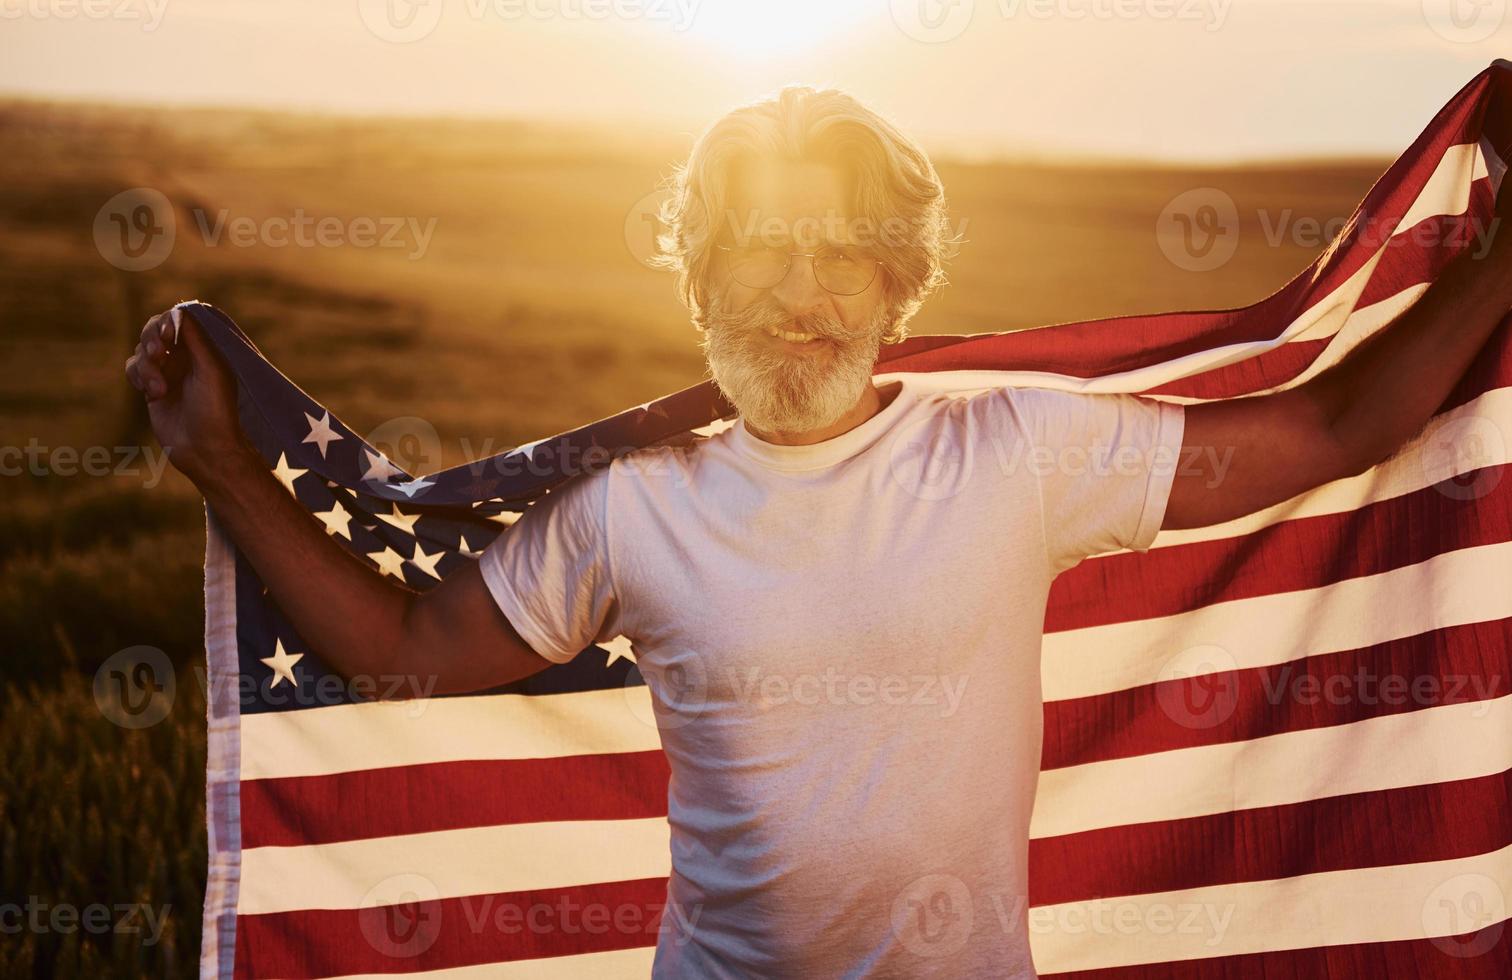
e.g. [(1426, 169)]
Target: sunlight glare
[(773, 27)]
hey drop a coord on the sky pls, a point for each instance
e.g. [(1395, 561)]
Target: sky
[(1197, 80)]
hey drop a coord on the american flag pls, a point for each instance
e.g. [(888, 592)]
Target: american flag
[(1276, 747)]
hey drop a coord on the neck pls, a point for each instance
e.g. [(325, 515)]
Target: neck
[(872, 401)]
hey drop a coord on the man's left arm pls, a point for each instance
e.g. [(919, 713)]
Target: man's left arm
[(1245, 454)]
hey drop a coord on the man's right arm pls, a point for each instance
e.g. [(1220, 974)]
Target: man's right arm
[(453, 637)]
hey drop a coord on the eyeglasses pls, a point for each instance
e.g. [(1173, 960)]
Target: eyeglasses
[(844, 270)]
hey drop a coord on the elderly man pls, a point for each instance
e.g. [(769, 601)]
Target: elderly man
[(805, 231)]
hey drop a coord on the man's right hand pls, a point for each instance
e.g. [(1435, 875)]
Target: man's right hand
[(449, 639), (190, 392)]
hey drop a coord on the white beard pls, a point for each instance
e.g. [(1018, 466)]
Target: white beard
[(781, 392)]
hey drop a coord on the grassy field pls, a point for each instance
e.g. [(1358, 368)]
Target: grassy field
[(525, 309)]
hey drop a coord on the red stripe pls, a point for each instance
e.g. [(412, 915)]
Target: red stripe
[(1482, 955), (452, 932), (1436, 822), (1303, 553), (1456, 665), (451, 795)]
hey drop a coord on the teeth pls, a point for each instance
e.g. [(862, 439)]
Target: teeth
[(797, 338)]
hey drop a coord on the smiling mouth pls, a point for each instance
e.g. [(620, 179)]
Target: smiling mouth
[(792, 336)]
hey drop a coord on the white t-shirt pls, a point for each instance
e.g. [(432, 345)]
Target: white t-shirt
[(842, 645)]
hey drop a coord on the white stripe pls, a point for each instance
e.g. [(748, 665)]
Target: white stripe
[(616, 964), (1445, 192), (1429, 900), (222, 780), (452, 864), (1429, 745), (1468, 437), (375, 735), (1451, 589)]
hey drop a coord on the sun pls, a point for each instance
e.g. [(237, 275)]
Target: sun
[(772, 28)]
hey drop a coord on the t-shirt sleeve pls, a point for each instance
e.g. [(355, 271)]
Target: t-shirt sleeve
[(1105, 464), (550, 573)]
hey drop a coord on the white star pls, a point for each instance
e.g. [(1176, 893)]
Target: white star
[(505, 517), (336, 520), (426, 563), (287, 474), (282, 665), (411, 487), (619, 648), (404, 522), (320, 432), (379, 467), (389, 561), (464, 549)]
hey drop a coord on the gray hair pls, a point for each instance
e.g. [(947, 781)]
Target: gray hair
[(894, 186)]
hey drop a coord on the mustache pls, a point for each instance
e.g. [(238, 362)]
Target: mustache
[(766, 314)]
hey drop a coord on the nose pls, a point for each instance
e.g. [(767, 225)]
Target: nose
[(799, 292)]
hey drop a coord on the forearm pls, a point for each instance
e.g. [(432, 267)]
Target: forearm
[(1383, 392), (350, 616)]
